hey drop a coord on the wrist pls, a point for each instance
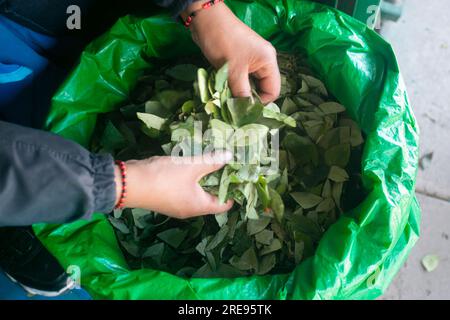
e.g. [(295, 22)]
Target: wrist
[(134, 181), (139, 188), (121, 179), (118, 181), (194, 6), (198, 9)]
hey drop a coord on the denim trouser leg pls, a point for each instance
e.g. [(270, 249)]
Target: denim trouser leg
[(30, 72)]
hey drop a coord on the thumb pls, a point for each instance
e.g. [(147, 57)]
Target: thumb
[(210, 162), (212, 205), (238, 81)]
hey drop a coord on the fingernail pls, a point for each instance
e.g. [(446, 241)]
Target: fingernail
[(227, 156), (222, 156)]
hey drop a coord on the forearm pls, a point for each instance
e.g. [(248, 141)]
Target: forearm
[(45, 178)]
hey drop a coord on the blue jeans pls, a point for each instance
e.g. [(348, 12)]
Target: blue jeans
[(32, 67)]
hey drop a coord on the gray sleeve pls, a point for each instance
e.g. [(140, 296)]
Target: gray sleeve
[(175, 6), (45, 178)]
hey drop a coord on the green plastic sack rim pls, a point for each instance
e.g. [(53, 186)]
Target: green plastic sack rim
[(359, 255)]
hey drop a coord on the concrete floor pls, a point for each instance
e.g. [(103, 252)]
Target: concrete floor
[(421, 40)]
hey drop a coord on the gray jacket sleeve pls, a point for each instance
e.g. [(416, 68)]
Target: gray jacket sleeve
[(175, 6), (45, 178)]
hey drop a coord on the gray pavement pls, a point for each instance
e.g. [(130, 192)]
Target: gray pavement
[(421, 40)]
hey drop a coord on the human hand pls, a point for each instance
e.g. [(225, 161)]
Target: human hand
[(171, 185), (222, 37)]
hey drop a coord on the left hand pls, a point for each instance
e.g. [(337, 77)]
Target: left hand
[(169, 185)]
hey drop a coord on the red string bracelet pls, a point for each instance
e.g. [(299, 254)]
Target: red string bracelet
[(206, 5), (123, 194)]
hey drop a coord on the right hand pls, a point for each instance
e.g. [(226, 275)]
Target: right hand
[(171, 187), (222, 37)]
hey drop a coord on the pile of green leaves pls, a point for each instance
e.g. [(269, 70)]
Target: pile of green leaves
[(280, 212)]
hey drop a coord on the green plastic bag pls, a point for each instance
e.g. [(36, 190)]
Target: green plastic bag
[(359, 255)]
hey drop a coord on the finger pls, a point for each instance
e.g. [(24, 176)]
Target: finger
[(269, 82), (212, 205), (211, 162), (239, 82)]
